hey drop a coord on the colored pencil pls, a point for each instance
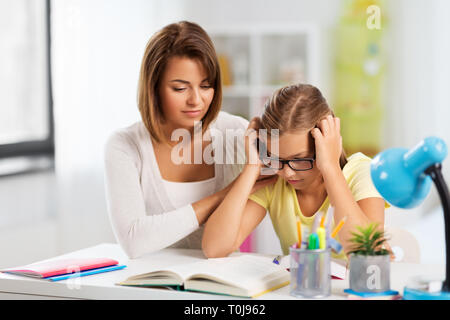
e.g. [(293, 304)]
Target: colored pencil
[(338, 227)]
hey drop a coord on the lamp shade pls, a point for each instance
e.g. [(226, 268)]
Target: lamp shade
[(398, 173)]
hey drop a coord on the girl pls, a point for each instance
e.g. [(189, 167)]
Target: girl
[(313, 173), (155, 200)]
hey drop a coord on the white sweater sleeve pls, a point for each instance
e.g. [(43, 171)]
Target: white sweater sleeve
[(235, 143), (136, 231)]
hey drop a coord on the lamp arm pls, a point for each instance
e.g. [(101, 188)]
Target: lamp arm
[(435, 173)]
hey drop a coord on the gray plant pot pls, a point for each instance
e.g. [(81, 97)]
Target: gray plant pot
[(369, 273)]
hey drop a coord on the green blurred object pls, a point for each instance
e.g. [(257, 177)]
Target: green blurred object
[(359, 74)]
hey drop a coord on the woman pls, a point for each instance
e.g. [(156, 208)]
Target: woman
[(159, 192), (313, 172)]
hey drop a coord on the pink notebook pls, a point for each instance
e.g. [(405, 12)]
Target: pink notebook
[(59, 267)]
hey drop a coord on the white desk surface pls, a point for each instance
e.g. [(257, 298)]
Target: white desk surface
[(102, 286)]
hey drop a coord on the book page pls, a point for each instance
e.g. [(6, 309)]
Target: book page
[(242, 271), (177, 272)]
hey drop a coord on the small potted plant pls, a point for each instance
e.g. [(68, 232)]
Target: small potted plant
[(369, 261)]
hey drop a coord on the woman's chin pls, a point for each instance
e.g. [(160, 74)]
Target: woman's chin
[(188, 124)]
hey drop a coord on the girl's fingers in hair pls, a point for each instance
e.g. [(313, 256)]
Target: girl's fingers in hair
[(249, 130), (324, 126), (252, 129), (316, 133), (337, 123), (330, 121), (255, 123), (251, 135), (334, 125)]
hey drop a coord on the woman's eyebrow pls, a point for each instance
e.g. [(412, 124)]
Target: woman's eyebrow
[(179, 80), (187, 82)]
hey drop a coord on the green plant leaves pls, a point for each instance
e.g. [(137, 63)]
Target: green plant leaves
[(368, 241)]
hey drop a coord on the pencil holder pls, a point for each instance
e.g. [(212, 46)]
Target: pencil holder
[(310, 273), (369, 273)]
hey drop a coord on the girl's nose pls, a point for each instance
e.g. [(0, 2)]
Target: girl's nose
[(287, 172)]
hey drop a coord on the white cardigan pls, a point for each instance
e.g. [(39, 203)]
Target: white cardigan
[(142, 216)]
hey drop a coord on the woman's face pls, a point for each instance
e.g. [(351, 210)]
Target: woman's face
[(296, 145), (184, 92)]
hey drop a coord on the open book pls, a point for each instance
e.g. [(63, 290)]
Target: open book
[(245, 276)]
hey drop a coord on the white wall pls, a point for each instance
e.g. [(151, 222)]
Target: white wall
[(418, 105), (96, 52), (321, 13), (419, 71), (97, 48)]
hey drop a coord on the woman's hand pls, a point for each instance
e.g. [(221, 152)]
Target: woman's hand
[(264, 180), (328, 142), (261, 181)]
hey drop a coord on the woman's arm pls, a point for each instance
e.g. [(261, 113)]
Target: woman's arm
[(205, 207), (328, 144), (137, 232)]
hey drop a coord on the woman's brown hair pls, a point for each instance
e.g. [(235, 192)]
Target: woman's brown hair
[(182, 39), (296, 107)]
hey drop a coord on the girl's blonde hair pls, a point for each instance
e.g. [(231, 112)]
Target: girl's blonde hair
[(182, 39), (296, 107)]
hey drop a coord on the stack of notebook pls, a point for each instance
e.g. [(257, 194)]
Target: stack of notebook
[(62, 269)]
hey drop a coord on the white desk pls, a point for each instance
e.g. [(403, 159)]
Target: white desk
[(102, 286)]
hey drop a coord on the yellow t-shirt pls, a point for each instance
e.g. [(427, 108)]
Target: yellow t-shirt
[(280, 199)]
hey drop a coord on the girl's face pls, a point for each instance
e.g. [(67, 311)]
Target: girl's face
[(296, 145), (184, 92)]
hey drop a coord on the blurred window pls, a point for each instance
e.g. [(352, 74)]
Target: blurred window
[(26, 121)]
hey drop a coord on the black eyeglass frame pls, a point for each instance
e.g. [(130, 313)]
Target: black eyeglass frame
[(310, 160)]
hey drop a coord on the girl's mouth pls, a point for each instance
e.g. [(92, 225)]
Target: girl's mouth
[(294, 181)]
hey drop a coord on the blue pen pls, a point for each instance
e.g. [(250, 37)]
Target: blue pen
[(276, 260), (85, 273)]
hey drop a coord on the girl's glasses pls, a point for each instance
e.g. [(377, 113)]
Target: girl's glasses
[(301, 164)]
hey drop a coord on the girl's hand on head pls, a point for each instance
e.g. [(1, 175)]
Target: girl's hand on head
[(251, 135), (328, 143)]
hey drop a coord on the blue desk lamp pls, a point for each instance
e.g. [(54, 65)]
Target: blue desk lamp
[(403, 177)]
